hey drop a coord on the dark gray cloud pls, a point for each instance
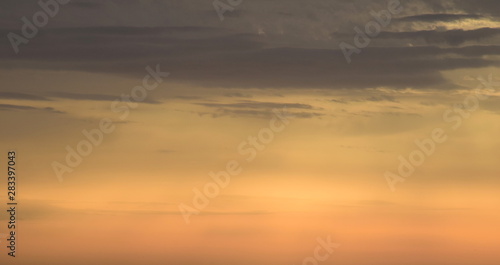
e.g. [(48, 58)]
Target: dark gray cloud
[(231, 56), (241, 60), (9, 107), (188, 97), (95, 97), (85, 4), (21, 96)]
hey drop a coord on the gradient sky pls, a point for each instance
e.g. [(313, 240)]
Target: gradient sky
[(323, 175)]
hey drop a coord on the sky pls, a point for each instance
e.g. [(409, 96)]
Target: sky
[(251, 132)]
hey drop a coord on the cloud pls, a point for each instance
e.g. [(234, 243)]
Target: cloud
[(381, 98), (257, 105), (373, 98), (88, 4), (298, 52), (439, 17), (34, 209), (261, 114), (237, 95), (255, 109), (341, 101), (167, 151), (9, 107), (489, 7), (211, 57), (450, 37), (94, 97), (21, 96)]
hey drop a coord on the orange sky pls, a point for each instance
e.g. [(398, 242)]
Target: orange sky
[(319, 177)]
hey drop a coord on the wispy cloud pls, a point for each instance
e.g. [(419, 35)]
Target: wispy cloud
[(21, 96), (7, 107)]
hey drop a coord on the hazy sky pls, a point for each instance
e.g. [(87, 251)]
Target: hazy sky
[(323, 175)]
